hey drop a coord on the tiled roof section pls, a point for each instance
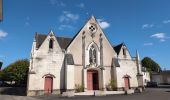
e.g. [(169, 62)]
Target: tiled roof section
[(69, 58), (118, 48), (39, 39), (63, 41)]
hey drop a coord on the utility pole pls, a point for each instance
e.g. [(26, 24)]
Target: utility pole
[(1, 17)]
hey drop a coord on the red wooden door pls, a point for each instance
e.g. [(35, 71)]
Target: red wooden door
[(126, 83), (48, 87), (89, 80), (92, 80)]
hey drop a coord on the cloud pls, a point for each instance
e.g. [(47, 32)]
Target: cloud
[(166, 21), (68, 17), (148, 44), (158, 35), (161, 36), (64, 27), (81, 5), (103, 24), (3, 34), (27, 23), (147, 26), (57, 2)]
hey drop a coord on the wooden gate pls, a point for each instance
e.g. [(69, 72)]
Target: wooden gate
[(48, 86), (92, 80)]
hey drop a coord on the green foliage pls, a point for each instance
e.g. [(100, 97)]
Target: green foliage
[(150, 65), (111, 86), (79, 88), (16, 71)]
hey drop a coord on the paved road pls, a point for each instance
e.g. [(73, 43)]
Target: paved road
[(149, 94)]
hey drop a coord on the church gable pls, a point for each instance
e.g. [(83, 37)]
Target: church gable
[(122, 51), (91, 33), (49, 43), (61, 42), (90, 30)]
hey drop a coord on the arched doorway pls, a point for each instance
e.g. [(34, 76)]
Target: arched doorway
[(48, 86), (92, 80), (127, 82)]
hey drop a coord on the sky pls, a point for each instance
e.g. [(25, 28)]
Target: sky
[(141, 24)]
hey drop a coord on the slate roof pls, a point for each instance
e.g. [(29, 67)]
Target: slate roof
[(118, 48), (39, 39), (63, 41)]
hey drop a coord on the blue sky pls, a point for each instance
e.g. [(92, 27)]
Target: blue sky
[(141, 24)]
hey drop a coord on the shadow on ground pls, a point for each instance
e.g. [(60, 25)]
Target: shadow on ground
[(19, 91)]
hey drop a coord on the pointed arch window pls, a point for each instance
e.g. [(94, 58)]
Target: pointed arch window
[(51, 44), (92, 55)]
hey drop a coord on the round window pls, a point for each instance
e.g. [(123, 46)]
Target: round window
[(92, 28)]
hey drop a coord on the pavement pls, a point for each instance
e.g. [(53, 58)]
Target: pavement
[(148, 94)]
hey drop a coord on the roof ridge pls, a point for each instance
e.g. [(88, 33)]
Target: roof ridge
[(64, 37)]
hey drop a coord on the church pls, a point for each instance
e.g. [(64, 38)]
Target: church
[(59, 64)]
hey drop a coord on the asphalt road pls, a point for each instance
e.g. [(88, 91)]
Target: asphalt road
[(148, 94)]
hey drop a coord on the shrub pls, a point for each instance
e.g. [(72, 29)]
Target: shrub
[(79, 88), (111, 86)]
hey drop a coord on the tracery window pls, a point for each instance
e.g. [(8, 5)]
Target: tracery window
[(92, 55)]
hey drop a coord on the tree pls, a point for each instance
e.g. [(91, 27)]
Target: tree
[(150, 65), (16, 71), (1, 64)]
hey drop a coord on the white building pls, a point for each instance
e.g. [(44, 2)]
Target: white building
[(88, 59), (146, 76), (162, 77)]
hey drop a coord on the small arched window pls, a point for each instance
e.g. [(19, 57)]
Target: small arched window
[(124, 52), (51, 44), (92, 55)]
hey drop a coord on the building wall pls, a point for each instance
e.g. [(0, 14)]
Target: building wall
[(44, 61), (146, 77), (107, 75), (70, 79), (127, 67), (78, 75), (162, 77), (157, 78), (75, 48)]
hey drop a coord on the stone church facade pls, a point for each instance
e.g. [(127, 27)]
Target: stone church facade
[(88, 59)]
